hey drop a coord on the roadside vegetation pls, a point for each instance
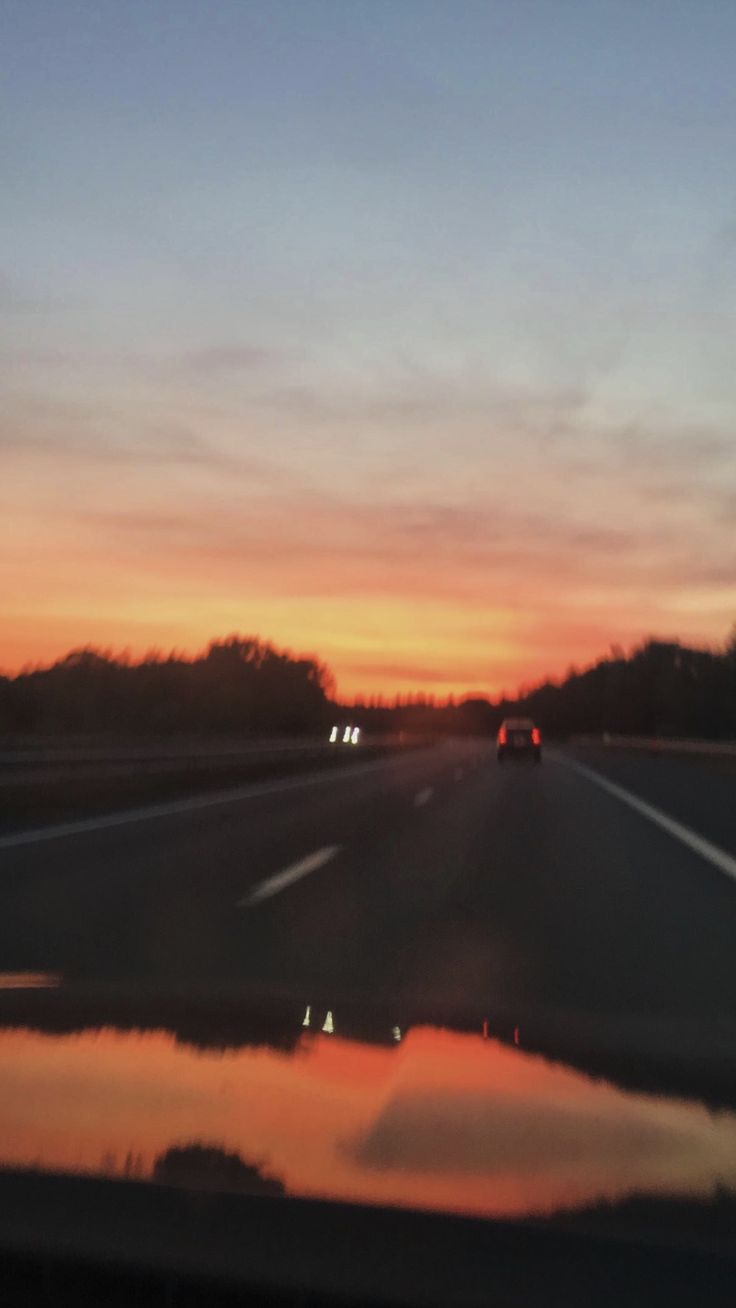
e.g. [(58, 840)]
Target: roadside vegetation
[(241, 685), (245, 686), (661, 688)]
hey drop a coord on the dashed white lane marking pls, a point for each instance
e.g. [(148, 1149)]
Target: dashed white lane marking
[(423, 797), (698, 844), (294, 872), (459, 774)]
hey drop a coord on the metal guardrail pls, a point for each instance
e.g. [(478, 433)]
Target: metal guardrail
[(660, 745)]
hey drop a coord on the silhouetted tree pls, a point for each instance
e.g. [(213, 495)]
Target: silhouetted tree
[(240, 685), (207, 1167), (243, 685), (663, 688)]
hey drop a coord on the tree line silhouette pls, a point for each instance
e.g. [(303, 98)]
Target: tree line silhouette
[(239, 685), (244, 685), (662, 688)]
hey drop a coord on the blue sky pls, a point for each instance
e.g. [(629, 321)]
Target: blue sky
[(401, 331)]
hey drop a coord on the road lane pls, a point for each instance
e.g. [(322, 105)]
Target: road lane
[(37, 834), (156, 898), (705, 849), (573, 902), (698, 790), (516, 888)]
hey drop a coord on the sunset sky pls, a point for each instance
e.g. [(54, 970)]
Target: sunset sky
[(394, 331)]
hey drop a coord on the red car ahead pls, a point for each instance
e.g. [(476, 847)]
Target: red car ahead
[(519, 737)]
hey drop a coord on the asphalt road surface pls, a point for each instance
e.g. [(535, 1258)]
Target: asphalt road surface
[(437, 878)]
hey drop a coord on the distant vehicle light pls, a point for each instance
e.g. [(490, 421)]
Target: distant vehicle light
[(502, 736), (356, 735), (346, 735), (333, 735), (536, 736)]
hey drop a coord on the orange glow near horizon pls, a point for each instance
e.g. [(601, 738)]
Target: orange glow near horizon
[(373, 643), (362, 665), (394, 599)]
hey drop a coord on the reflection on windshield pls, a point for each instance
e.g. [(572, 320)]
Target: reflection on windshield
[(439, 1120), (28, 981)]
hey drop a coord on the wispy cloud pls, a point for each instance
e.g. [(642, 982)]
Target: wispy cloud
[(673, 446), (217, 359), (312, 544), (408, 674), (71, 431), (197, 364), (157, 446), (135, 521)]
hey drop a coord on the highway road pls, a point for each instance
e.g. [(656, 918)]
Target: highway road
[(597, 884)]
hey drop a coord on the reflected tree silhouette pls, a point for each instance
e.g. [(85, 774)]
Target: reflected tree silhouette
[(208, 1167)]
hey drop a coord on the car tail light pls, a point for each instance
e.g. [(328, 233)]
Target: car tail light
[(536, 737), (502, 736)]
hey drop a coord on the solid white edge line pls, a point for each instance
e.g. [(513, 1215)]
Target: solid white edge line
[(294, 872), (81, 826), (698, 844)]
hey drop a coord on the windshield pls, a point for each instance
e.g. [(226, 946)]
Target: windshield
[(322, 752)]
